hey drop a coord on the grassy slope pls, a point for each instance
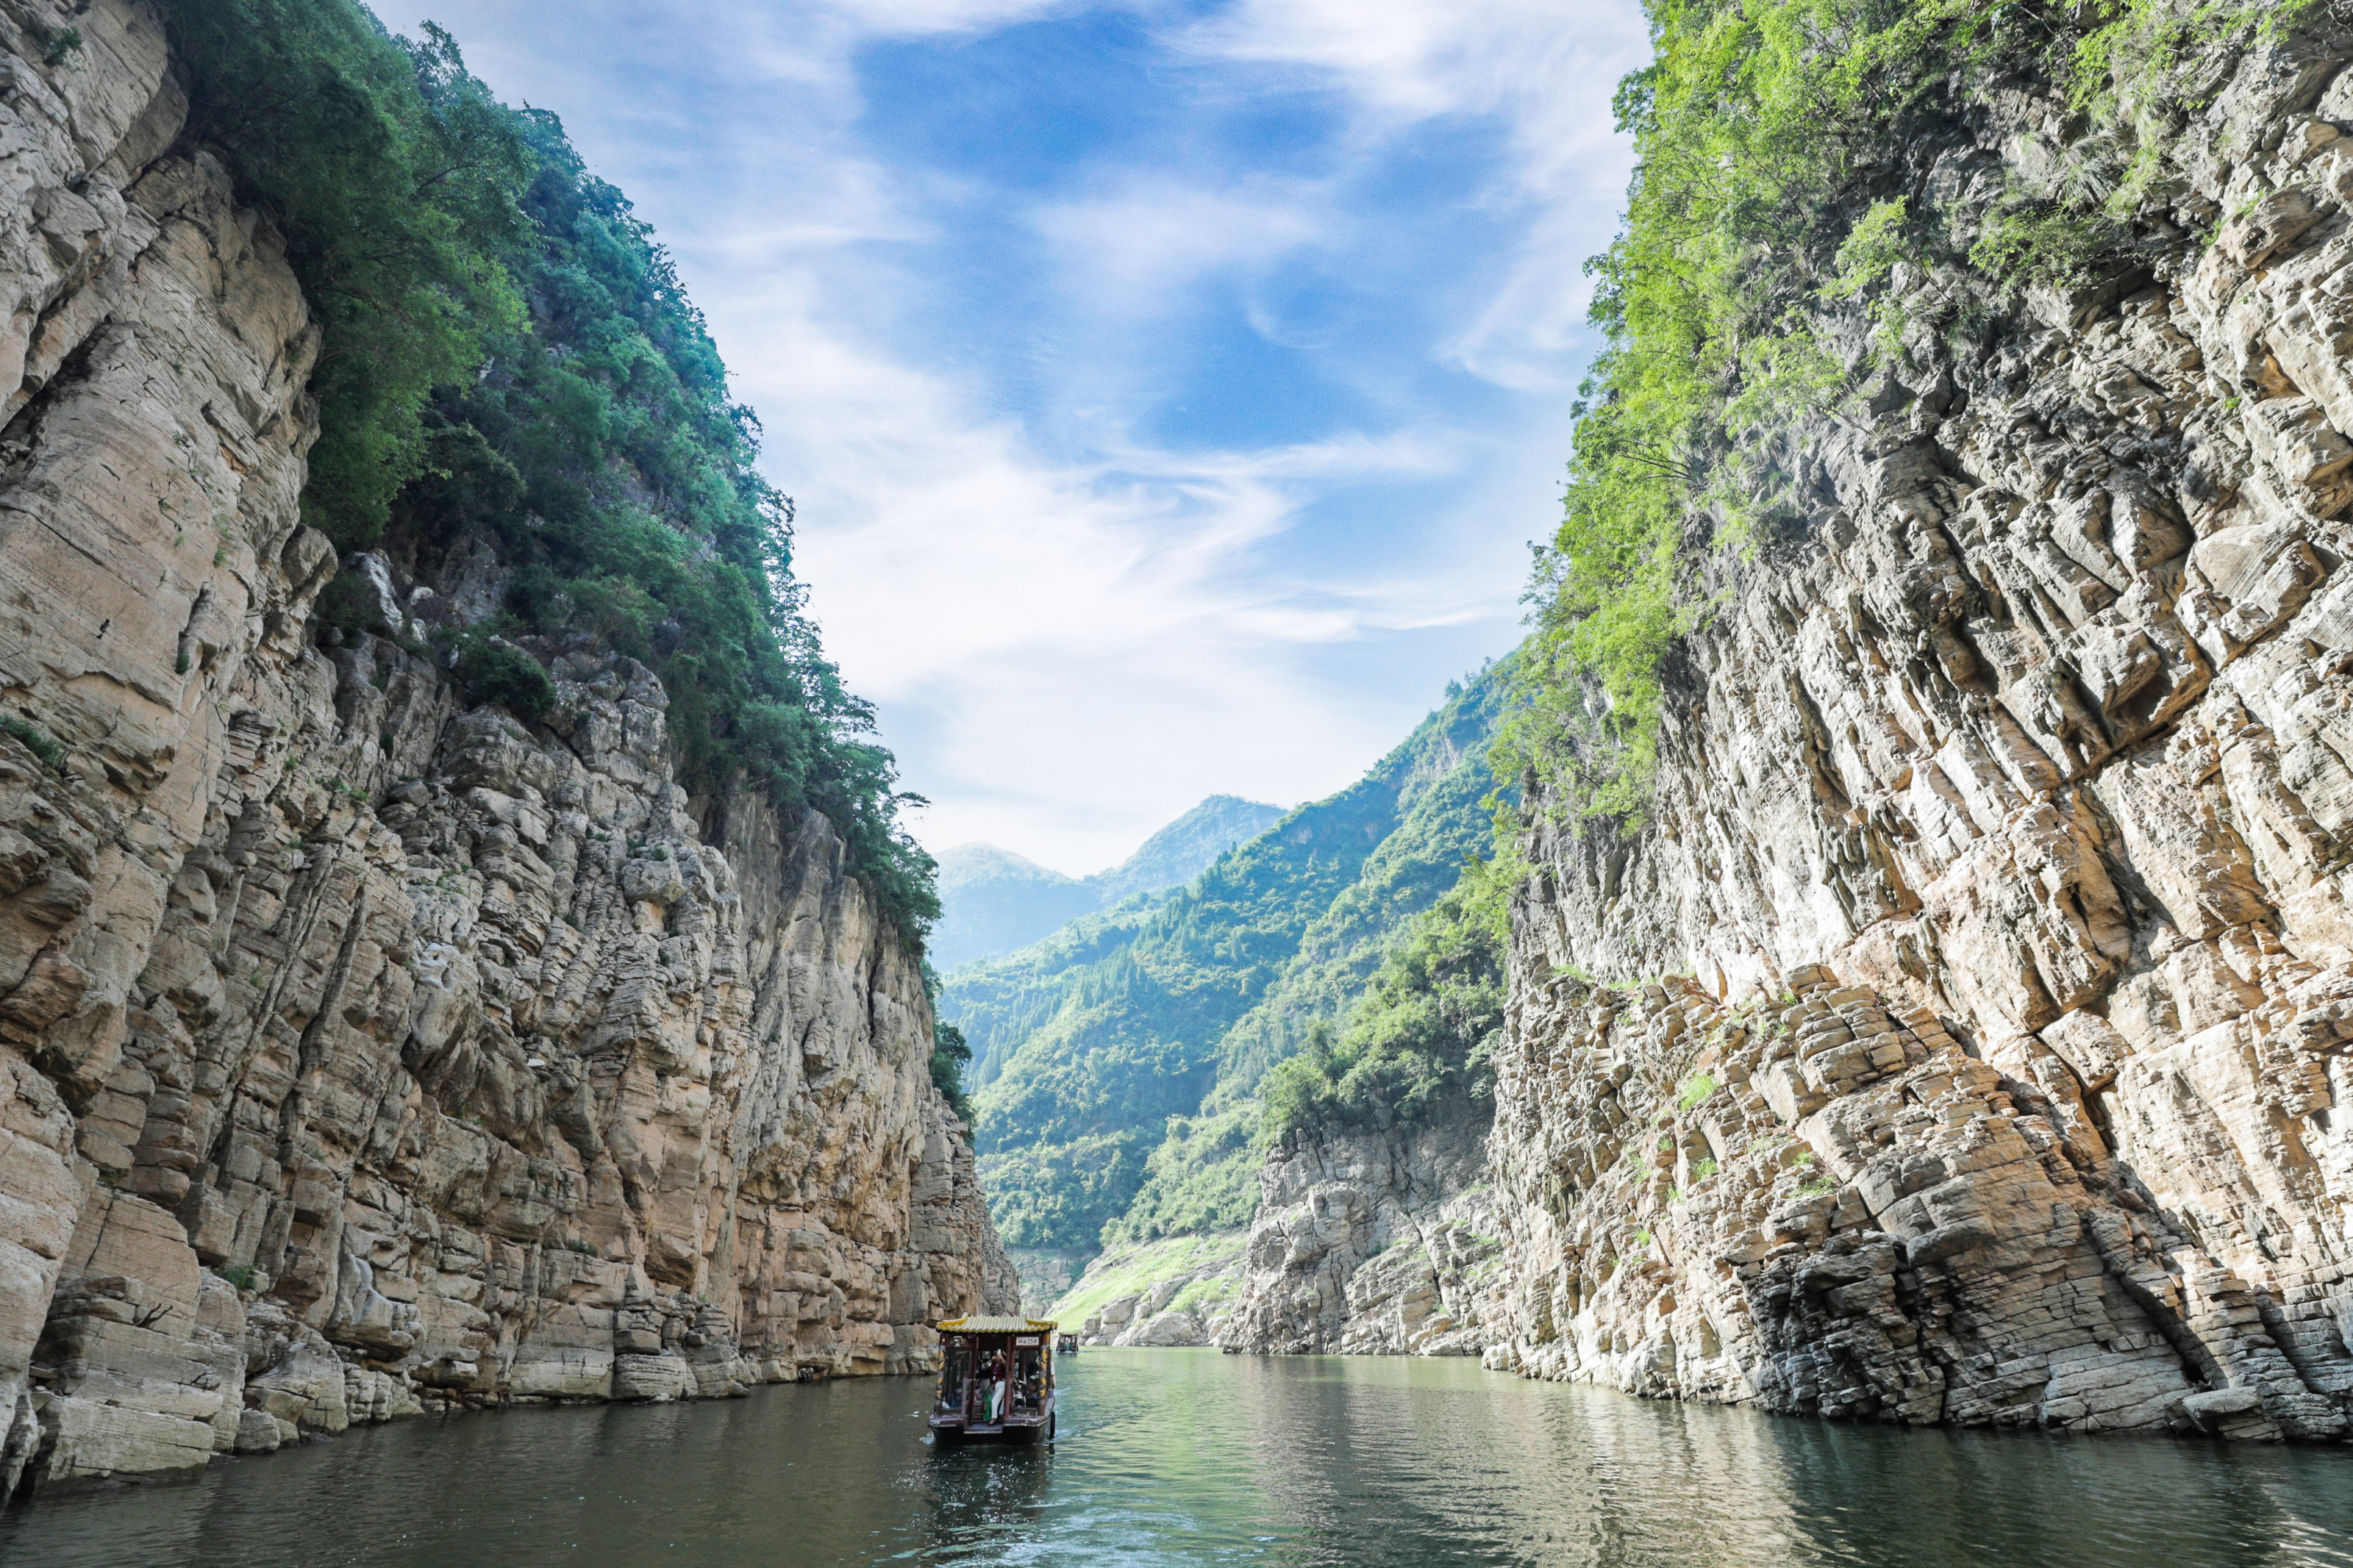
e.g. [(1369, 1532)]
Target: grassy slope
[(1214, 1262)]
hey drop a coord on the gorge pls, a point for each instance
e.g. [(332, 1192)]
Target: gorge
[(1876, 950), (1952, 1033)]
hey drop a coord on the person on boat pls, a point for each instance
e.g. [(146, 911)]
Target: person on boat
[(998, 1383)]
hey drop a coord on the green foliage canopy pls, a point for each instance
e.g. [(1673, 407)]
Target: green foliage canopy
[(1423, 1035), (393, 176), (1126, 1050), (509, 356), (1781, 148), (950, 1056)]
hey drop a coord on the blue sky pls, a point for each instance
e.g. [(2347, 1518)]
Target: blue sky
[(1169, 391)]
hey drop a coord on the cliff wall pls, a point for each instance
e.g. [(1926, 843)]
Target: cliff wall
[(361, 1051), (1374, 1241), (1998, 856)]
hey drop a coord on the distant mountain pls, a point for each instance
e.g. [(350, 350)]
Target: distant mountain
[(993, 900), (1117, 1062), (1183, 849)]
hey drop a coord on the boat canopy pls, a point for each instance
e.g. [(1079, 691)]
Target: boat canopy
[(995, 1326)]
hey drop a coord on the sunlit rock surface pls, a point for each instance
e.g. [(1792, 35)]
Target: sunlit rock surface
[(2001, 847), (1374, 1240), (1177, 1291), (360, 1053)]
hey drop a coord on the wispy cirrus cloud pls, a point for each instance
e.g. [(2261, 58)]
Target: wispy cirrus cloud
[(1546, 71), (1167, 391)]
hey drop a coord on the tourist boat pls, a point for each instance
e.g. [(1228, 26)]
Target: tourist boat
[(1066, 1344), (997, 1380)]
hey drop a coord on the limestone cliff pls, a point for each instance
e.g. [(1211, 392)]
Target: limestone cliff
[(1376, 1240), (2000, 843), (361, 1051)]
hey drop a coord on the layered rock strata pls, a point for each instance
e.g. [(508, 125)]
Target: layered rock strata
[(2001, 838), (361, 1052), (1374, 1241)]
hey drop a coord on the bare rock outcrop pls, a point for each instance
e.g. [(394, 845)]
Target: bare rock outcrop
[(1174, 1292), (2000, 842), (1374, 1241), (361, 1052)]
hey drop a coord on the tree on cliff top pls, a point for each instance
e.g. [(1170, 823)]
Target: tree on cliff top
[(508, 354)]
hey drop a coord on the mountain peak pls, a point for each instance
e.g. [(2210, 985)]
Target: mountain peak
[(994, 900), (972, 865), (1183, 849)]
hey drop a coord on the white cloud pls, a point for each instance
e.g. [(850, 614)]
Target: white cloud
[(904, 18), (1098, 642), (1536, 61), (1072, 644), (1132, 252), (1546, 70)]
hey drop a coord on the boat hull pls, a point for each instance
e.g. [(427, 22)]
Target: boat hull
[(1011, 1432)]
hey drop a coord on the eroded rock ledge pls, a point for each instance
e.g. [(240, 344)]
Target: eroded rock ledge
[(358, 1052), (1374, 1240)]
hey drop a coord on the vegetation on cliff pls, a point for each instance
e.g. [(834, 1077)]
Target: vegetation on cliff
[(1425, 1032), (950, 1056), (1781, 216), (1120, 1058), (509, 356)]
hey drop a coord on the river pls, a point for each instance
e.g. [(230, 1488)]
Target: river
[(1188, 1456)]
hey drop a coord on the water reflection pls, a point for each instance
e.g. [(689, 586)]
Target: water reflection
[(1457, 1466), (1189, 1457)]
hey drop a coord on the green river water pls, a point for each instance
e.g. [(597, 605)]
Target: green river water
[(1186, 1456)]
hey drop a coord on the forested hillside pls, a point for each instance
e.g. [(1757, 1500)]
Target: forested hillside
[(1123, 1056)]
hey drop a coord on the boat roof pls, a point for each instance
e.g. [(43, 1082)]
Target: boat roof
[(995, 1326)]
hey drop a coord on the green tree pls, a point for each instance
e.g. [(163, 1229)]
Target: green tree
[(1421, 1039), (950, 1056), (508, 356), (1780, 191), (393, 177)]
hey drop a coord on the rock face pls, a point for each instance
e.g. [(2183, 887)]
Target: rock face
[(360, 1052), (1374, 1241), (1173, 1291), (1047, 1275), (2002, 839)]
